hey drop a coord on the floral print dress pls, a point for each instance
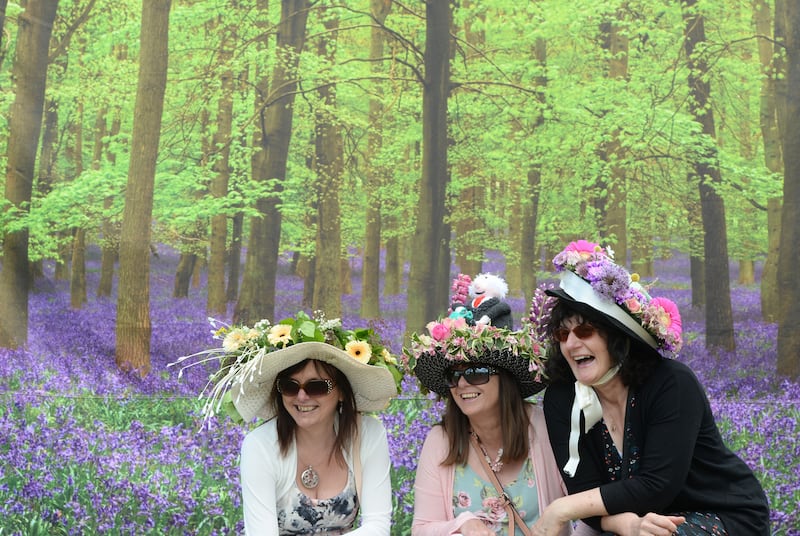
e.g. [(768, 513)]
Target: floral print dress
[(473, 493), (299, 514)]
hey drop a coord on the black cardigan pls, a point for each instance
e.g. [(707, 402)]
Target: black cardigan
[(684, 465)]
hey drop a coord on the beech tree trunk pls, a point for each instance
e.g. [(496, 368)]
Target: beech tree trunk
[(719, 313), (425, 280), (329, 167), (110, 228), (614, 214), (529, 257), (789, 257), (257, 296), (217, 303), (376, 173), (30, 73), (133, 305), (772, 67)]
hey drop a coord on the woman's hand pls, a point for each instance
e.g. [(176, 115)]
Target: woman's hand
[(475, 527), (551, 521), (629, 524), (657, 525)]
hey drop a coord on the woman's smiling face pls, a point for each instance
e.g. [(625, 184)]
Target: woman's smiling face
[(586, 350), (308, 410), (475, 400)]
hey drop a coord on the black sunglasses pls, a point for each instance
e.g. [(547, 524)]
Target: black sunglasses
[(290, 387), (582, 331), (474, 375)]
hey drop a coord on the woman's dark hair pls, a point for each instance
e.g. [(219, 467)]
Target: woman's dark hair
[(348, 415), (513, 418), (637, 359)]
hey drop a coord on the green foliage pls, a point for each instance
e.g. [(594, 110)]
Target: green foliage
[(507, 113)]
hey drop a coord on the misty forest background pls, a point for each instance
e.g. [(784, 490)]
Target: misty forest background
[(412, 139)]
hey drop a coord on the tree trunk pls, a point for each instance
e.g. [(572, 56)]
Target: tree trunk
[(257, 296), (529, 259), (719, 314), (44, 184), (183, 275), (3, 46), (77, 285), (770, 292), (614, 226), (110, 229), (394, 262), (773, 159), (470, 227), (329, 167), (133, 304), (235, 257), (217, 303), (376, 171), (424, 277), (789, 257), (30, 73), (77, 282)]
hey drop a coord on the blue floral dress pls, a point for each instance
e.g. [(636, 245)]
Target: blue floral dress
[(299, 514), (473, 493)]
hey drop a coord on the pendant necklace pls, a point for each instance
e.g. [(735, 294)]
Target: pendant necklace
[(309, 478), (495, 465)]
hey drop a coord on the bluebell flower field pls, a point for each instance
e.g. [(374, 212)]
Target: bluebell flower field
[(87, 449)]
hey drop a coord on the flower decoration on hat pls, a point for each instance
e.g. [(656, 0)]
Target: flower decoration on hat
[(595, 264), (451, 341), (241, 345)]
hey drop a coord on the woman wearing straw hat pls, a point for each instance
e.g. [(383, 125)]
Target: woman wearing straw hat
[(487, 469), (301, 470), (631, 429)]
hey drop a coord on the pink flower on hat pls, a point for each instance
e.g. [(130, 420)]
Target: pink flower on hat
[(668, 316), (438, 330), (633, 305), (584, 247)]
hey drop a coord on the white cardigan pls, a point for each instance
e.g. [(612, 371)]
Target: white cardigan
[(266, 476)]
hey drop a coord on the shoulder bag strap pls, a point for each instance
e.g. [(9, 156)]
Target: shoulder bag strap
[(509, 505)]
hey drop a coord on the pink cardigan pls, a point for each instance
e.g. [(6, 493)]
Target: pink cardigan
[(433, 487)]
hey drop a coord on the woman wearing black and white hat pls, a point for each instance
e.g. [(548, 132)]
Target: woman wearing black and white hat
[(631, 429), (488, 466), (301, 470)]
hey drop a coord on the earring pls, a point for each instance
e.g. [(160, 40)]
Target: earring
[(341, 405)]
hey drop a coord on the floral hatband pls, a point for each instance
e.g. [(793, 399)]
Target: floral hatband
[(451, 341), (656, 320)]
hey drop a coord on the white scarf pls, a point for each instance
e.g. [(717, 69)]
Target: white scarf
[(586, 401)]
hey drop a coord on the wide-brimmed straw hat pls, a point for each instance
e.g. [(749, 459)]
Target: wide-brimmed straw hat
[(452, 342), (592, 282), (250, 359), (372, 385)]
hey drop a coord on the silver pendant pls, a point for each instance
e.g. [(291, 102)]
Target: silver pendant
[(309, 478)]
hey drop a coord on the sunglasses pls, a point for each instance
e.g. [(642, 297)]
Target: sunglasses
[(582, 331), (290, 387), (473, 375)]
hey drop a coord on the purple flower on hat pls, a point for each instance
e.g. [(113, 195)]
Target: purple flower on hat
[(608, 279), (658, 316)]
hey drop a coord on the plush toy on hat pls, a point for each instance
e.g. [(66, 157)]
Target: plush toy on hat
[(486, 303)]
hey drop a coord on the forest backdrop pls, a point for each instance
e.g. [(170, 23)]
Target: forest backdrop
[(425, 132)]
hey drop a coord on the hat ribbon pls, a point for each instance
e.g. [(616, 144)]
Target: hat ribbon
[(586, 401)]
